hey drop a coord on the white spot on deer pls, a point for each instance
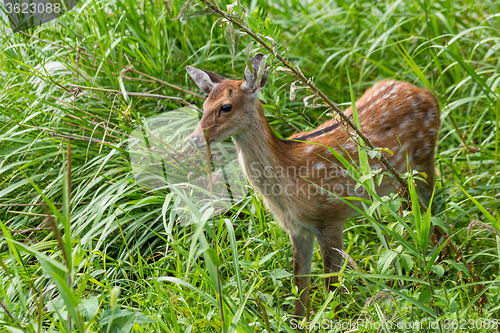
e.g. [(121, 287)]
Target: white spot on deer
[(395, 88), (399, 157), (427, 148), (406, 148), (320, 165), (349, 146), (310, 148)]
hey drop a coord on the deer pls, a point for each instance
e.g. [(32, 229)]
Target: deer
[(392, 114)]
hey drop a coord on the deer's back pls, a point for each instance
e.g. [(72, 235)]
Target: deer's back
[(394, 115)]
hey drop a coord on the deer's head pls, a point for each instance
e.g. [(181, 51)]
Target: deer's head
[(231, 107)]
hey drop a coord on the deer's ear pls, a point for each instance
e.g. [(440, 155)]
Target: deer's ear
[(205, 80), (259, 68)]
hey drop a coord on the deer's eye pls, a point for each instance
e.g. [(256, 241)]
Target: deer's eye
[(226, 108)]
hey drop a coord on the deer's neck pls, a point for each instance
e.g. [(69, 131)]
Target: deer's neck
[(262, 156)]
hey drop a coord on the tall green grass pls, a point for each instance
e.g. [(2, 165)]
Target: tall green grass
[(104, 254)]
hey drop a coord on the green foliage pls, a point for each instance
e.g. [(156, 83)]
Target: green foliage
[(66, 250)]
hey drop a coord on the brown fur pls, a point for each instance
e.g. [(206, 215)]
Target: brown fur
[(388, 112)]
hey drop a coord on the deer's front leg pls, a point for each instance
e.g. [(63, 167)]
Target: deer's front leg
[(303, 246), (329, 240)]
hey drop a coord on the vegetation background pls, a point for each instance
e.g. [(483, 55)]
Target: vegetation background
[(113, 259)]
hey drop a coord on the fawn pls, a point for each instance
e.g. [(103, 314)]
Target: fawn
[(292, 175)]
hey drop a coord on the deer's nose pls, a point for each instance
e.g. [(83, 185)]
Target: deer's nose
[(196, 141)]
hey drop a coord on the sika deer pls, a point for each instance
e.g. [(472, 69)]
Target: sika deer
[(281, 171)]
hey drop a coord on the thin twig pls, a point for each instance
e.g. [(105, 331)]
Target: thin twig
[(104, 127), (31, 214), (40, 204), (167, 84), (47, 42), (136, 94), (80, 110), (89, 129), (23, 231), (68, 136)]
